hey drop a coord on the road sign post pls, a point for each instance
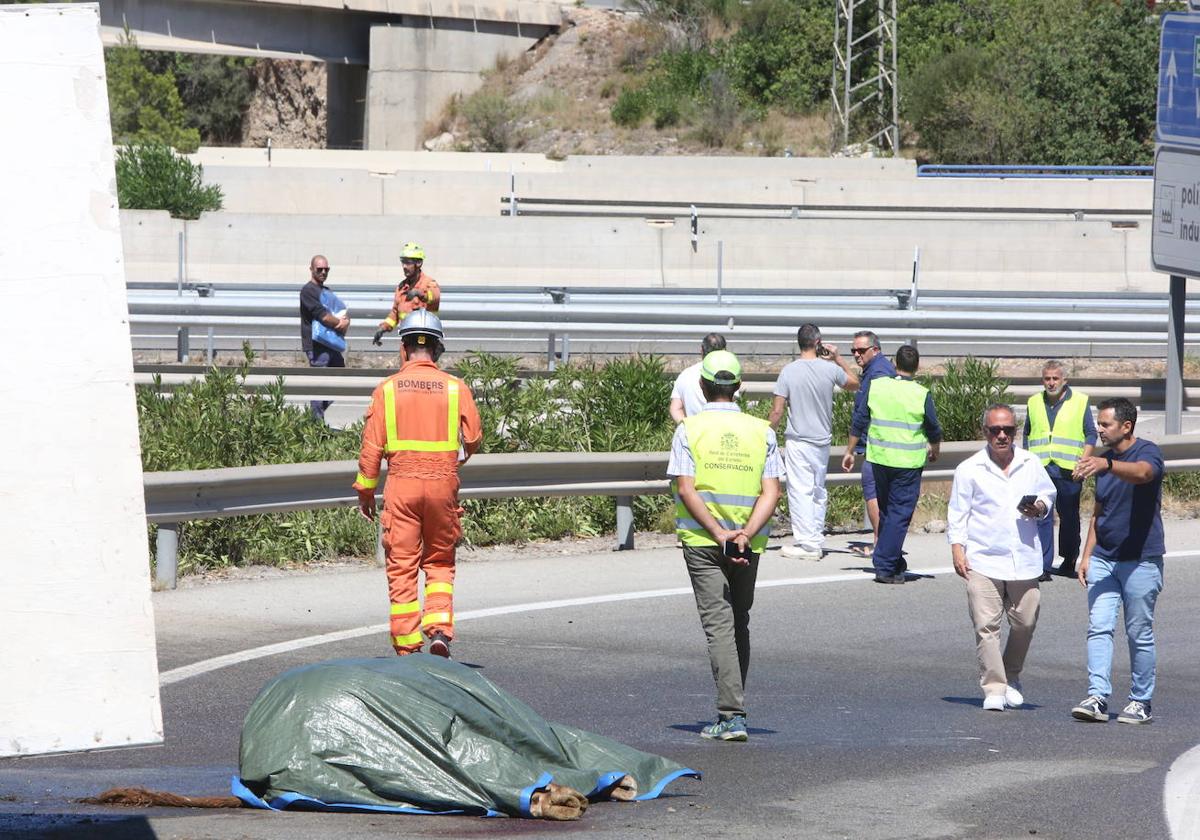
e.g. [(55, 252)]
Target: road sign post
[(1175, 235)]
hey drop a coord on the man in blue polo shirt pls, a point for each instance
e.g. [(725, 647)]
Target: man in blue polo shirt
[(874, 364), (1122, 561)]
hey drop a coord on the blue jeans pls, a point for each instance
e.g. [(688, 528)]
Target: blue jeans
[(898, 489), (1134, 584), (1067, 505), (322, 356)]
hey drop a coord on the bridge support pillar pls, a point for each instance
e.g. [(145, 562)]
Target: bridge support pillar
[(416, 69)]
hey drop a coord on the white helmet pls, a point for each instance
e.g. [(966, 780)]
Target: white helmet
[(421, 324)]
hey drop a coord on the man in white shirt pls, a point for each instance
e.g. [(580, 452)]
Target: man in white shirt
[(686, 398), (998, 498)]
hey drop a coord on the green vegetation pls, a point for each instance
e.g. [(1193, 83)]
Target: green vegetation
[(981, 81), (176, 99), (145, 106), (621, 406), (150, 176)]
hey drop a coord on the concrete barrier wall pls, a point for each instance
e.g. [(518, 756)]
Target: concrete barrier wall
[(478, 192), (1020, 255)]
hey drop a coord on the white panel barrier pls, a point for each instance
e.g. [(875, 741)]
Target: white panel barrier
[(77, 645)]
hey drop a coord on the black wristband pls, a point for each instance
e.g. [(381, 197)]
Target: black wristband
[(1109, 459)]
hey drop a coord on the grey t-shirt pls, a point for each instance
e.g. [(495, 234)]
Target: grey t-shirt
[(808, 385)]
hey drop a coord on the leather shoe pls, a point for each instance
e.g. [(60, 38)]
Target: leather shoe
[(890, 578), (1046, 577)]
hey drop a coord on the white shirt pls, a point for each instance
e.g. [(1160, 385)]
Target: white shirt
[(1000, 542), (687, 388)]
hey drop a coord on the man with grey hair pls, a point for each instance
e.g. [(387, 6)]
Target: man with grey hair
[(869, 355), (998, 497), (1059, 429), (805, 389), (686, 398)]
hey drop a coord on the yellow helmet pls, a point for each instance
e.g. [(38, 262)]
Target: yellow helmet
[(412, 251)]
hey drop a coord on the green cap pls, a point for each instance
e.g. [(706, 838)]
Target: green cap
[(721, 367)]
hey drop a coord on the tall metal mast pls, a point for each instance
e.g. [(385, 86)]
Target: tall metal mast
[(865, 91)]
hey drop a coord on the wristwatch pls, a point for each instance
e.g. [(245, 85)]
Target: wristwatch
[(1109, 459)]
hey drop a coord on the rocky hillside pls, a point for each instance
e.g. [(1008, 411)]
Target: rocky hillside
[(558, 100)]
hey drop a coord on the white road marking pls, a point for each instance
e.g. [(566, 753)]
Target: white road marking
[(1181, 795), (217, 662)]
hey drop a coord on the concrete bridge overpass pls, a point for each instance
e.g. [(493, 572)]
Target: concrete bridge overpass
[(392, 64)]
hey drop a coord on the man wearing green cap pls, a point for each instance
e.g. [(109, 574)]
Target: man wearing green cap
[(726, 469)]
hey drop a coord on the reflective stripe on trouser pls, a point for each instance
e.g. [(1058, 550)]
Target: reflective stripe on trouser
[(420, 530)]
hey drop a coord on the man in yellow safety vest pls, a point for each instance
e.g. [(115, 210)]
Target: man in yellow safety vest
[(726, 468), (1059, 429), (902, 431)]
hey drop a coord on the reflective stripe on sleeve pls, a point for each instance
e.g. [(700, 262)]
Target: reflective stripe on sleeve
[(367, 483)]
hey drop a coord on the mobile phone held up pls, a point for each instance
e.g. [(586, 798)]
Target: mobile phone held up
[(731, 550), (1026, 501)]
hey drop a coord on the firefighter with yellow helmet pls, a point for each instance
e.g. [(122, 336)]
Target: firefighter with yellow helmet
[(416, 291)]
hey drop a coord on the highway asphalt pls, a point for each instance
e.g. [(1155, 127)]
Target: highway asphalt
[(864, 702)]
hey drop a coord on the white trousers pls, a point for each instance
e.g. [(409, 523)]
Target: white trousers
[(806, 465)]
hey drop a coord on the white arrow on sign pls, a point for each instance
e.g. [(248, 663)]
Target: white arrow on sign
[(1172, 72)]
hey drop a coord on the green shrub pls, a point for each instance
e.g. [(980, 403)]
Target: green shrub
[(631, 108), (152, 177), (490, 116), (962, 393), (144, 105), (215, 91)]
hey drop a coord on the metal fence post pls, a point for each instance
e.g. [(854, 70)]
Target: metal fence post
[(624, 523), (166, 555), (551, 364), (720, 268), (1175, 324), (209, 352), (182, 342)]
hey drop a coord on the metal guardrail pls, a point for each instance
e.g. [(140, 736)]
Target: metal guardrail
[(546, 206), (964, 170), (342, 383), (182, 496)]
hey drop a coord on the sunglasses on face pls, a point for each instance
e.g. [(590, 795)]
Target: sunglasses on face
[(408, 262), (320, 270), (858, 351), (1007, 430)]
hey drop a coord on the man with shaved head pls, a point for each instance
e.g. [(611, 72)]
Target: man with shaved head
[(314, 298)]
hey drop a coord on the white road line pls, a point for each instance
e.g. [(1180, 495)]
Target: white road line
[(217, 662), (1181, 795), (206, 665)]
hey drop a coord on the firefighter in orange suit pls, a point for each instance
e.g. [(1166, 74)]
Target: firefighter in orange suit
[(424, 421), (417, 291)]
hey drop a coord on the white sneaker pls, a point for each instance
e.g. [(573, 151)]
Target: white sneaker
[(1013, 696), (993, 703), (799, 552)]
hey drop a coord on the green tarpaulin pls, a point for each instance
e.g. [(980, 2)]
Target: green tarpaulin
[(419, 734)]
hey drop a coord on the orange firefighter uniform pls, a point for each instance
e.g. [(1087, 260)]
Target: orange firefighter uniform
[(429, 296), (418, 419)]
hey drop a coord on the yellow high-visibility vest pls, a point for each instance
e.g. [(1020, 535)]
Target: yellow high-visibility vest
[(896, 436), (1063, 444), (730, 452)]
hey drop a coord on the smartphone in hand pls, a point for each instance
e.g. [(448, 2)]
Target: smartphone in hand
[(1026, 502), (731, 550)]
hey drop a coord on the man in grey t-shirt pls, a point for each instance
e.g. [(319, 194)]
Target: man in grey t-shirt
[(805, 388)]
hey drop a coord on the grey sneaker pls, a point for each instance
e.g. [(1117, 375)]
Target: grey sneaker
[(439, 645), (728, 729), (1094, 708), (1136, 712)]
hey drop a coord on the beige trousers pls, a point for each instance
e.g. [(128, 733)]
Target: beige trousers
[(988, 600)]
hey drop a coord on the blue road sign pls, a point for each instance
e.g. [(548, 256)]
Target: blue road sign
[(1178, 85)]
